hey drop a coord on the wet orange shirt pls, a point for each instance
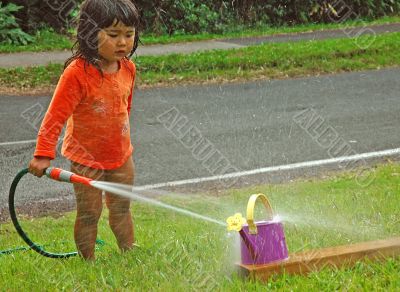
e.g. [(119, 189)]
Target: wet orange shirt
[(96, 110)]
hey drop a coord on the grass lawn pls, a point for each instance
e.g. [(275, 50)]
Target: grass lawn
[(46, 40), (263, 31), (177, 253), (279, 60)]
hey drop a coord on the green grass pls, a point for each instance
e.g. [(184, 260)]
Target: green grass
[(31, 77), (273, 60), (263, 31), (48, 40), (263, 61), (178, 253)]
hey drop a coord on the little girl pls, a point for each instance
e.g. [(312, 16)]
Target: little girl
[(94, 97)]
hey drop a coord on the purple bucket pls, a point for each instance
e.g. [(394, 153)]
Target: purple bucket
[(268, 245), (262, 242)]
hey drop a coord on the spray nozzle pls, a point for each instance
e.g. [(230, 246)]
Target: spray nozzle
[(66, 176), (235, 222)]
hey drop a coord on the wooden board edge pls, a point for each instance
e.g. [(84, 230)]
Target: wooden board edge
[(315, 260)]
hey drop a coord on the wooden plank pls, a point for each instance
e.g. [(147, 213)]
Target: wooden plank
[(314, 260)]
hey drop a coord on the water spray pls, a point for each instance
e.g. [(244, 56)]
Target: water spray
[(121, 190)]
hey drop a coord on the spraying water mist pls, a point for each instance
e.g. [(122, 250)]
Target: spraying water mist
[(119, 189), (126, 191)]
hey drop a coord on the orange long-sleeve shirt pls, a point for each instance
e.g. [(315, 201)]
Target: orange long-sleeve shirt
[(96, 110)]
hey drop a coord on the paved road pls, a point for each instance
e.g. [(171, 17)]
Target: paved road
[(252, 124), (42, 58)]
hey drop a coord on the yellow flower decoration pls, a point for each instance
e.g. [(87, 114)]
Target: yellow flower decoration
[(235, 222)]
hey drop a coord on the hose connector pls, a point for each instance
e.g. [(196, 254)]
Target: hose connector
[(59, 174), (66, 176)]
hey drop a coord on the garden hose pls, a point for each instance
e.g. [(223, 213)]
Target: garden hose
[(38, 248)]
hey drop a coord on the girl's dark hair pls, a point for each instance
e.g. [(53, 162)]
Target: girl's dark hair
[(96, 15)]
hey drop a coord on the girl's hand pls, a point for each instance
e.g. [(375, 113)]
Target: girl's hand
[(38, 165)]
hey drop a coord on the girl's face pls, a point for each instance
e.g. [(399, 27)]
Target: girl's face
[(115, 41)]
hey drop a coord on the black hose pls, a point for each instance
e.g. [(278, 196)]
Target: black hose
[(18, 227)]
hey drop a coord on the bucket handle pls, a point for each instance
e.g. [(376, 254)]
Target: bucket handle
[(250, 210)]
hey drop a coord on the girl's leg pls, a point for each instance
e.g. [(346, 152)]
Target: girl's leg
[(120, 218), (89, 206)]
